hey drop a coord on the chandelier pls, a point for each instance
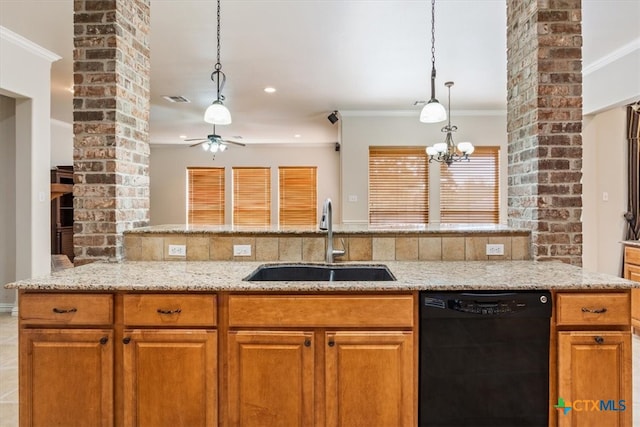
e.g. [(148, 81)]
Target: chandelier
[(217, 113), (433, 111), (447, 152)]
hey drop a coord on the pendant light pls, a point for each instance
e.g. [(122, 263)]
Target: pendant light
[(447, 152), (217, 113), (433, 111)]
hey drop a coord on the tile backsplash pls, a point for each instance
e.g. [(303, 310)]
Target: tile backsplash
[(311, 247)]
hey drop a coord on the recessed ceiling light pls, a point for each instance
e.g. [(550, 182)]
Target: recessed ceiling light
[(297, 135), (269, 89), (183, 136)]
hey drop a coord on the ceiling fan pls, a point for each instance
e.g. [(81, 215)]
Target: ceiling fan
[(213, 143)]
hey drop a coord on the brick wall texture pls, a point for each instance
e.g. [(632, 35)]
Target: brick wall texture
[(544, 125), (110, 125)]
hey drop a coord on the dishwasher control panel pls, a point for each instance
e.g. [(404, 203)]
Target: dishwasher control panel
[(486, 307)]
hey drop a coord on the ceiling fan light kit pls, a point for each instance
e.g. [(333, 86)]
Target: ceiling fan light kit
[(448, 152), (217, 113), (433, 111)]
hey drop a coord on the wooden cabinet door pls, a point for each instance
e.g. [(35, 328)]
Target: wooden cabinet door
[(594, 367), (369, 379), (632, 272), (271, 378), (66, 377), (170, 378)]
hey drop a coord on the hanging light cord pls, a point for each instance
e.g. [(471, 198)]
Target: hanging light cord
[(433, 49), (217, 74)]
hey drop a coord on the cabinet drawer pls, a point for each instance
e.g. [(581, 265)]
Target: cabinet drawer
[(321, 311), (632, 255), (66, 309), (593, 308), (169, 310)]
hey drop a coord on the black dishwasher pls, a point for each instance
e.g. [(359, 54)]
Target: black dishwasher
[(484, 359)]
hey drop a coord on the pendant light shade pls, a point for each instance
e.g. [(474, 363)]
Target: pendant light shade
[(217, 114), (433, 111)]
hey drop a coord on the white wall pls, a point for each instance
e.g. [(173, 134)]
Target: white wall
[(8, 197), (25, 75), (61, 143), (359, 131), (168, 164), (605, 157)]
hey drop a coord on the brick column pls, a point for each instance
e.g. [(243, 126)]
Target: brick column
[(110, 125), (544, 125)]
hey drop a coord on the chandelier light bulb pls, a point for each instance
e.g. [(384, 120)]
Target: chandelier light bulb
[(222, 147), (431, 151), (465, 147), (205, 146)]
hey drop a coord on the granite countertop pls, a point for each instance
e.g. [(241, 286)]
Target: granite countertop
[(337, 228), (410, 275), (635, 243)]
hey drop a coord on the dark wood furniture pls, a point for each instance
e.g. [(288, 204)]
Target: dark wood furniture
[(62, 212)]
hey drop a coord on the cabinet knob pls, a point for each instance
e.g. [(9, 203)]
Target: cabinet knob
[(599, 340), (307, 343), (332, 343), (104, 340), (126, 340)]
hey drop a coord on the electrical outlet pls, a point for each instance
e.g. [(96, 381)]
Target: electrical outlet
[(177, 250), (353, 198), (241, 250), (495, 249)]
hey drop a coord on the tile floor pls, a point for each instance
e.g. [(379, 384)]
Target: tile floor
[(9, 373)]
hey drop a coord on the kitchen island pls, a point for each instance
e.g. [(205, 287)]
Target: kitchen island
[(192, 343)]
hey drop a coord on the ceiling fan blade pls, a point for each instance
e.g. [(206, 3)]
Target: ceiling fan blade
[(234, 142), (196, 139), (198, 143)]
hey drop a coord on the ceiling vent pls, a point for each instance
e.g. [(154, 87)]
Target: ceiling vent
[(176, 98)]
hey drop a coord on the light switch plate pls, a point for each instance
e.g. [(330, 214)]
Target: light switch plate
[(241, 250)]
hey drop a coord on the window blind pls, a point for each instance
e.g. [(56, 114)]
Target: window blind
[(205, 203), (469, 190), (251, 196), (398, 185), (297, 195)]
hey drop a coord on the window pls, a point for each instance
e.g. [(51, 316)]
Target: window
[(205, 191), (297, 195), (469, 190), (398, 185), (251, 196)]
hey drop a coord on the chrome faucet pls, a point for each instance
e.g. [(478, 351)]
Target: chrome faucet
[(326, 223)]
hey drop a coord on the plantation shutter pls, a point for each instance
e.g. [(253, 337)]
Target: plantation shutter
[(398, 185), (297, 195), (205, 196), (251, 196), (469, 190)]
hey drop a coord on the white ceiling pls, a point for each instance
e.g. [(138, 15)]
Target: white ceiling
[(320, 55)]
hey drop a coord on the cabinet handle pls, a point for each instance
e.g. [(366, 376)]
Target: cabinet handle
[(64, 310), (176, 311), (104, 340), (599, 340), (126, 340), (332, 343), (307, 343), (594, 310)]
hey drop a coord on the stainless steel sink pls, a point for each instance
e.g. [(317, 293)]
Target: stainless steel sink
[(320, 273)]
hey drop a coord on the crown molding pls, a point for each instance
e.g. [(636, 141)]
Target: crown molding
[(415, 113), (28, 45), (612, 57)]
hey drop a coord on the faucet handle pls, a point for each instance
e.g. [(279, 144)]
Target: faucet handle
[(340, 252)]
